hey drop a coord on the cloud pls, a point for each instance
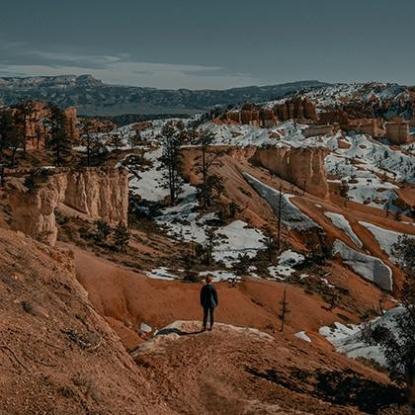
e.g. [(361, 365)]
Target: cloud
[(121, 69)]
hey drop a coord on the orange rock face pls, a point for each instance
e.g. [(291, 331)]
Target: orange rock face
[(303, 167), (91, 193), (252, 114), (397, 132), (295, 109)]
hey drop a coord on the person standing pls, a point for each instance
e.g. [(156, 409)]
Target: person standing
[(208, 301)]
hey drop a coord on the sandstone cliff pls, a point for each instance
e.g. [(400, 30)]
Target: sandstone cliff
[(257, 115), (303, 167), (91, 193), (397, 131)]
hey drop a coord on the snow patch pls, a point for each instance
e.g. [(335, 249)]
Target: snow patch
[(368, 267), (292, 217), (339, 221)]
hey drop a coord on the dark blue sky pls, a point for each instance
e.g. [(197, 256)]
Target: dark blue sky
[(211, 43)]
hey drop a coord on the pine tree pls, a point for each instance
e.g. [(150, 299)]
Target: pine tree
[(397, 338), (121, 237), (283, 310), (59, 141), (210, 182), (242, 265), (87, 139), (7, 131), (26, 110), (171, 161), (116, 141), (103, 230)]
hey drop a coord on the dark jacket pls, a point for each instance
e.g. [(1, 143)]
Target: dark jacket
[(208, 296)]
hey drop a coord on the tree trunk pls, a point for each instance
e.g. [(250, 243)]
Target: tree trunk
[(410, 387)]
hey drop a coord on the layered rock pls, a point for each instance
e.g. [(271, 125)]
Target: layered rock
[(371, 126), (92, 193), (397, 131), (259, 116), (304, 167), (302, 109)]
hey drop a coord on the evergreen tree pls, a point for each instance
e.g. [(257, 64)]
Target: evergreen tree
[(59, 141), (12, 134), (209, 183), (87, 139), (116, 141), (121, 237), (103, 230), (397, 338), (283, 310), (171, 161)]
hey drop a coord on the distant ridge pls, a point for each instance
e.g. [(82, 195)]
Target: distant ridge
[(93, 97)]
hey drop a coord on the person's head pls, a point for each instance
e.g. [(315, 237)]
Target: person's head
[(208, 279)]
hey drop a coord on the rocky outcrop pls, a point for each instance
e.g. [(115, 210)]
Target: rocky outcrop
[(302, 109), (260, 116), (397, 131), (91, 193), (371, 126), (303, 167)]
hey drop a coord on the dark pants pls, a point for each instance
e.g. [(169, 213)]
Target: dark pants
[(208, 312)]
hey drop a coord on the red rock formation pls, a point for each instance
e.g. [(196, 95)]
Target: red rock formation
[(397, 131), (304, 167), (91, 193), (72, 123), (302, 109), (371, 126), (252, 114)]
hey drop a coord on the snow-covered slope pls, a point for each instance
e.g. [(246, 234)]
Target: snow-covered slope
[(348, 339), (368, 267), (292, 217), (342, 223)]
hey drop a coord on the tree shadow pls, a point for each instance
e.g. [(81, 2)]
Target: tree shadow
[(174, 330), (348, 388)]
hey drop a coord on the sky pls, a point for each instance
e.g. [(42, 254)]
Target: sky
[(213, 44)]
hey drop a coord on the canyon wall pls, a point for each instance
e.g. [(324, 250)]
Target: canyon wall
[(92, 193), (259, 116), (303, 167), (397, 131)]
